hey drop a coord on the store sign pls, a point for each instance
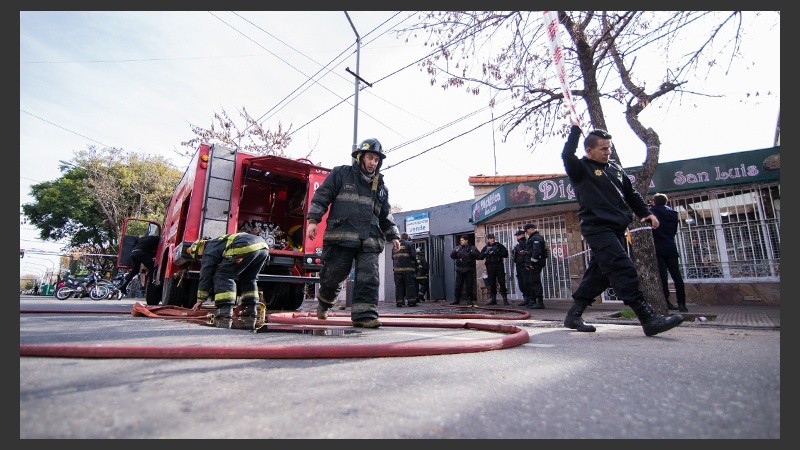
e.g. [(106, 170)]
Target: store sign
[(691, 174), (418, 223)]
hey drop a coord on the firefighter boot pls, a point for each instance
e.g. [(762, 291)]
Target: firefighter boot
[(539, 304), (574, 320), (493, 301), (323, 308), (525, 300), (254, 310), (652, 322), (224, 310), (505, 299)]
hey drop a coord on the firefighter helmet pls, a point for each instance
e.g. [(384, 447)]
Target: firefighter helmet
[(369, 145)]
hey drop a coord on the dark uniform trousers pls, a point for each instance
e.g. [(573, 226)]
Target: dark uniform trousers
[(405, 287), (496, 275), (338, 261), (465, 280), (609, 265)]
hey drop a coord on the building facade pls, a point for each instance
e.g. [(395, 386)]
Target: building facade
[(729, 235)]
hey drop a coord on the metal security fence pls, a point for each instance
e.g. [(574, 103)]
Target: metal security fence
[(731, 234), (555, 276)]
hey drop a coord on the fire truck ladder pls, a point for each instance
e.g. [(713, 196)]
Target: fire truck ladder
[(219, 188)]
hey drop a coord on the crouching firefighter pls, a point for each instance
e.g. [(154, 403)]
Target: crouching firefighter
[(225, 259)]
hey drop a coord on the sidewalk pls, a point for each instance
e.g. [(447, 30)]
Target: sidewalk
[(728, 316)]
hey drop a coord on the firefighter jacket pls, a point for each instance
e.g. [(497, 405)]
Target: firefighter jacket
[(423, 268), (605, 193), (214, 251), (465, 256), (493, 254), (405, 259), (360, 215)]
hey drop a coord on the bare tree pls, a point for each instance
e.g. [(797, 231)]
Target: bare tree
[(507, 52), (253, 137)]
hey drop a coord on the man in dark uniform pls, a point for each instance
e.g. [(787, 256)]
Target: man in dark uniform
[(142, 254), (536, 253), (359, 224), (605, 199), (223, 261), (520, 263), (666, 250), (493, 254), (404, 262), (465, 255)]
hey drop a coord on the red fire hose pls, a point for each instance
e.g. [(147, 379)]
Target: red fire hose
[(508, 336)]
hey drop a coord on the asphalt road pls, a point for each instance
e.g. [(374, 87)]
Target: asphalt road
[(690, 382)]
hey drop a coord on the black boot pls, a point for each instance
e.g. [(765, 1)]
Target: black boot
[(670, 306), (525, 301), (224, 310), (493, 301), (682, 307), (505, 300), (539, 304), (454, 302), (652, 322), (574, 319)]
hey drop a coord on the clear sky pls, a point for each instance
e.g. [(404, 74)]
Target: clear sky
[(137, 80)]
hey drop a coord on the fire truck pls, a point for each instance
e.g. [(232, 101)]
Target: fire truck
[(225, 190)]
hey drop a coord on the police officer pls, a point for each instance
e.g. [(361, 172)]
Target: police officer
[(536, 252), (520, 261), (465, 256), (404, 262), (493, 254), (225, 259), (606, 201), (358, 225)]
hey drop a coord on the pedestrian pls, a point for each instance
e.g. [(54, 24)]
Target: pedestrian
[(225, 260), (404, 262), (493, 254), (606, 200), (465, 255), (423, 269), (143, 253), (666, 251), (358, 225), (536, 253), (520, 262)]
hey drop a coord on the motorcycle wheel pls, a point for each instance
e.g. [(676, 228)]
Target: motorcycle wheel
[(98, 292), (64, 292)]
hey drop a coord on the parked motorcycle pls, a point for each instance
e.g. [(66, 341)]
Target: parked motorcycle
[(90, 285), (114, 291)]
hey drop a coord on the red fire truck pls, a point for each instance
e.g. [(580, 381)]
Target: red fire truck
[(224, 191)]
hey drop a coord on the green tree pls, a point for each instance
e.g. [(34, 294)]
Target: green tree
[(508, 52), (86, 206)]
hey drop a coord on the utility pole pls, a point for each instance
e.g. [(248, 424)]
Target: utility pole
[(358, 79)]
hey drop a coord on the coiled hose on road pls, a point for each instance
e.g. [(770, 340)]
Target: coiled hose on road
[(509, 336)]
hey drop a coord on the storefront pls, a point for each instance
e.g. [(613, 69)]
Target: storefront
[(728, 238)]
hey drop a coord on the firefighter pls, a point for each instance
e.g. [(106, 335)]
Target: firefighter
[(142, 254), (358, 225), (223, 261), (404, 263)]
